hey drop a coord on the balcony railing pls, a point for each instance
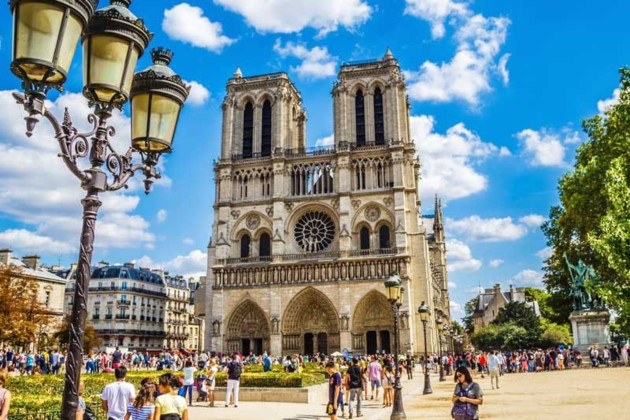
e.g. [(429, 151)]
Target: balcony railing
[(311, 271), (314, 256), (108, 316), (122, 317), (124, 302)]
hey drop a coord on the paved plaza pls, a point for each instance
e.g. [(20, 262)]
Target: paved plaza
[(576, 394)]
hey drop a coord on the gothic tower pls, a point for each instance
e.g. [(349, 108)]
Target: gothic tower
[(303, 239)]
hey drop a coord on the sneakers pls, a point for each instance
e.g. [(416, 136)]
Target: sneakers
[(350, 415), (226, 405), (236, 406)]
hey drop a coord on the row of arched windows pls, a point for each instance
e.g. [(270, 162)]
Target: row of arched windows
[(264, 245), (359, 110), (248, 130), (384, 239)]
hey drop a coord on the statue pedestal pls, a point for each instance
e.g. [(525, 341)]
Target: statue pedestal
[(590, 328)]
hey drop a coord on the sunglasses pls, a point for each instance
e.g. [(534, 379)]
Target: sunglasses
[(459, 375)]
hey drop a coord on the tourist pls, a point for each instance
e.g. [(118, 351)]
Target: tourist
[(334, 389), (189, 380), (606, 354), (388, 384), (212, 380), (143, 407), (117, 396), (81, 410), (169, 405), (234, 369), (624, 354), (374, 373), (494, 365), (467, 396), (355, 384), (5, 397)]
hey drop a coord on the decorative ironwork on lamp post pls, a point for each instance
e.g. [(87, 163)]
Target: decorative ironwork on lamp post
[(395, 291), (423, 310), (439, 323), (45, 36)]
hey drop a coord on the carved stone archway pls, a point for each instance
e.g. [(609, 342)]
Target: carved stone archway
[(373, 324), (310, 324), (248, 329)]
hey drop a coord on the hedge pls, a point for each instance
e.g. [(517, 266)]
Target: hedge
[(43, 393)]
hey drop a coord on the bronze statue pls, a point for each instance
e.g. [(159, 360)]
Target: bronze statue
[(580, 274)]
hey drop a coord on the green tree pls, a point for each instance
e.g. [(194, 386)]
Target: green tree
[(90, 339), (591, 221), (469, 310), (554, 334), (509, 336), (518, 313)]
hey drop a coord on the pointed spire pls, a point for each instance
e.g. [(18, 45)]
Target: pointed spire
[(238, 74), (388, 54)]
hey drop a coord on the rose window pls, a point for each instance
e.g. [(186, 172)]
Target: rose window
[(314, 231)]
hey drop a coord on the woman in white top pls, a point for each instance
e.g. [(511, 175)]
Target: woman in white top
[(189, 380), (212, 380)]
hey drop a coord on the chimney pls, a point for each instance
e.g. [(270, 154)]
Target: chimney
[(128, 265), (497, 288), (31, 261), (5, 256)]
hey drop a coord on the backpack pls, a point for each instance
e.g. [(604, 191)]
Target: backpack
[(235, 370), (461, 410), (291, 367), (89, 413), (356, 381)]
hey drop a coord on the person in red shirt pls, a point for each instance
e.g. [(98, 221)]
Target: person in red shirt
[(483, 362)]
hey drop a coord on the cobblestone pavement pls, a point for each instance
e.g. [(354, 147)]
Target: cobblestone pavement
[(577, 394)]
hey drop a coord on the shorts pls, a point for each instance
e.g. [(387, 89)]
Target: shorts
[(331, 410), (375, 384)]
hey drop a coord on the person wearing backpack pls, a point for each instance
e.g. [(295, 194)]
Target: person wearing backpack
[(234, 369), (355, 383), (467, 396)]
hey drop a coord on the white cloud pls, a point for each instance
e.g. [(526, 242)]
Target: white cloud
[(436, 12), (161, 216), (457, 311), (287, 16), (326, 141), (533, 220), (528, 278), (495, 263), (198, 95), (452, 285), (460, 257), (47, 200), (317, 63), (187, 23), (544, 253), (604, 104), (504, 152), (542, 148), (448, 160), (192, 265), (502, 68), (467, 76), (30, 242), (487, 230), (188, 241)]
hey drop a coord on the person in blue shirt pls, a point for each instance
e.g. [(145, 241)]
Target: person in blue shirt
[(266, 363)]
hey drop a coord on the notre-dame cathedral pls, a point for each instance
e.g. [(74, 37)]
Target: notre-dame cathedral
[(302, 239)]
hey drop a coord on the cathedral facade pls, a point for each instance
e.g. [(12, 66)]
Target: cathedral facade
[(303, 240)]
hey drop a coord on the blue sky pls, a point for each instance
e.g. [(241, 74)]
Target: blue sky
[(498, 92)]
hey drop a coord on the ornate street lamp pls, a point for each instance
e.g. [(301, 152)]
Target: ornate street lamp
[(423, 310), (395, 292), (439, 323), (45, 36)]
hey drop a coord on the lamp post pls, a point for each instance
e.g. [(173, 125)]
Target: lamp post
[(45, 36), (395, 291), (423, 310), (439, 323)]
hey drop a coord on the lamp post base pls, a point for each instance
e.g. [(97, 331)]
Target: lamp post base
[(398, 412), (427, 385)]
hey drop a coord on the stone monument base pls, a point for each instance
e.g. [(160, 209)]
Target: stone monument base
[(590, 328)]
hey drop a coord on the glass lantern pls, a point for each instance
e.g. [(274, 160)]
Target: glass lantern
[(115, 39), (45, 37), (157, 97)]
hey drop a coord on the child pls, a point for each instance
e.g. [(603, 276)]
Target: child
[(334, 390), (142, 407), (202, 388)]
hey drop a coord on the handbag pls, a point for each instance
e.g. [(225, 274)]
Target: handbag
[(462, 410)]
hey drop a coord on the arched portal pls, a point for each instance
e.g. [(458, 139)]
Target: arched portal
[(248, 329), (373, 324), (310, 324)]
